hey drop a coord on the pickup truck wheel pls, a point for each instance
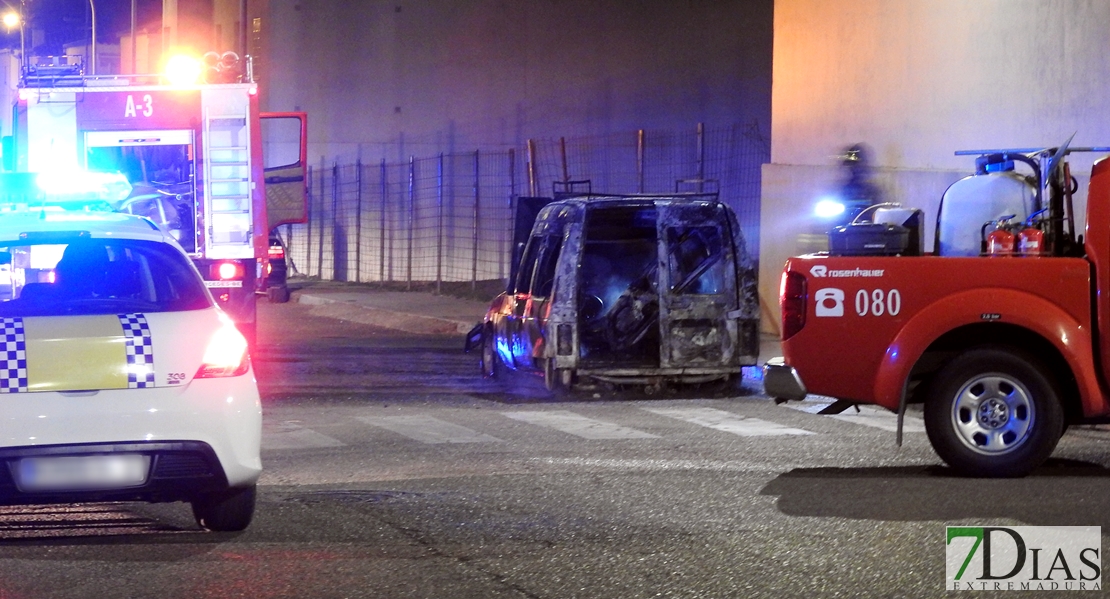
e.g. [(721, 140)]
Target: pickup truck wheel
[(492, 368), (993, 413)]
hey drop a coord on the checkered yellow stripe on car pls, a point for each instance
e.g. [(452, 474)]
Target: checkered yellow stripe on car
[(76, 353)]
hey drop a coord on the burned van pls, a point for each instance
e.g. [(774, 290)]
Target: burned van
[(625, 289)]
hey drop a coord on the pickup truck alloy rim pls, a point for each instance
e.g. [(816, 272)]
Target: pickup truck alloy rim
[(993, 414)]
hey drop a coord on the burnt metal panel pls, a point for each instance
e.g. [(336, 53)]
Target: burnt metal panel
[(527, 209), (697, 285)]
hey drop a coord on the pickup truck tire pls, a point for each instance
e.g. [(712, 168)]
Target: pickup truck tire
[(993, 412)]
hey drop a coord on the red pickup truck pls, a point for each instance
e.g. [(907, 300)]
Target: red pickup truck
[(1005, 345)]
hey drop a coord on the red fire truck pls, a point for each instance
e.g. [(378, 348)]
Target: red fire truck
[(192, 154)]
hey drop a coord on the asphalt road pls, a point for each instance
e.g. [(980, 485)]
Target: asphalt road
[(393, 470)]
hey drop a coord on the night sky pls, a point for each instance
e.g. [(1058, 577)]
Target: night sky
[(67, 21)]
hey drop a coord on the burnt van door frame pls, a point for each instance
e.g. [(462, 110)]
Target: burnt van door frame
[(521, 352), (696, 294), (534, 320), (526, 210)]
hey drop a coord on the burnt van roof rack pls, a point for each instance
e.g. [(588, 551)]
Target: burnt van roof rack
[(567, 189), (699, 186)]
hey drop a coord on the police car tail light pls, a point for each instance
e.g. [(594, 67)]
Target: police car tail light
[(792, 301), (226, 354)]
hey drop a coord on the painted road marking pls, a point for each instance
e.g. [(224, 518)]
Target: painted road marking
[(578, 425), (868, 416), (290, 435), (427, 429), (728, 422)]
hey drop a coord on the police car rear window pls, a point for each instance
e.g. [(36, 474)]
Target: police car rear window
[(96, 276)]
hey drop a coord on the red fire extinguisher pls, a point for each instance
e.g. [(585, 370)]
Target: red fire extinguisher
[(1000, 241), (1030, 241)]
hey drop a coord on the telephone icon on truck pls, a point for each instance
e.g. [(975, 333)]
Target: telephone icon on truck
[(830, 302)]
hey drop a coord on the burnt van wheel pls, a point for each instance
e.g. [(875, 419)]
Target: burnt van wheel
[(993, 412), (490, 362), (557, 380)]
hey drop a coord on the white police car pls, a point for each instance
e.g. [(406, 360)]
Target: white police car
[(120, 379)]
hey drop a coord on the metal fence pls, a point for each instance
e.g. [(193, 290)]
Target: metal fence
[(449, 217)]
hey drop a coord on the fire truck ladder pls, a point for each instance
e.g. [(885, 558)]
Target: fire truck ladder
[(227, 185)]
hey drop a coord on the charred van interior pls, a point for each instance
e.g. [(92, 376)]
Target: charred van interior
[(618, 293)]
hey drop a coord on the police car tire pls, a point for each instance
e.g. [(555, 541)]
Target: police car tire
[(1008, 367), (227, 511)]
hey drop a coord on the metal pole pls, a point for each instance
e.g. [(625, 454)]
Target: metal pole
[(439, 225), (334, 224), (381, 231), (533, 185), (507, 235), (134, 42), (412, 220), (640, 161), (563, 152), (308, 228), (358, 220), (701, 156), (320, 218), (477, 215), (92, 52)]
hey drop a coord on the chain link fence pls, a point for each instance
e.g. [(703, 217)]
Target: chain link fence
[(449, 218)]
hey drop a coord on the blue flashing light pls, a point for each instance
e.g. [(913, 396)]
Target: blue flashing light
[(83, 186), (829, 208)]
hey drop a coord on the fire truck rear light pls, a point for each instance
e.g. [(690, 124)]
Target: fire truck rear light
[(227, 271), (226, 354), (253, 90), (792, 301), (26, 94)]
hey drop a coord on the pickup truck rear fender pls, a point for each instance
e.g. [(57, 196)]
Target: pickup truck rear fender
[(991, 307)]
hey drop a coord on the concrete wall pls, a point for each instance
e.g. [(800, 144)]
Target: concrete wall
[(918, 80), (385, 79)]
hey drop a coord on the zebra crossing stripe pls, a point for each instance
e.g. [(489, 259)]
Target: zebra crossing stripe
[(289, 435), (427, 429), (728, 422), (867, 416), (580, 426)]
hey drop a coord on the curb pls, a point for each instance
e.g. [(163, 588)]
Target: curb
[(383, 317)]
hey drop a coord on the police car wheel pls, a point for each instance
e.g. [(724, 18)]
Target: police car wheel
[(993, 412), (227, 511)]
